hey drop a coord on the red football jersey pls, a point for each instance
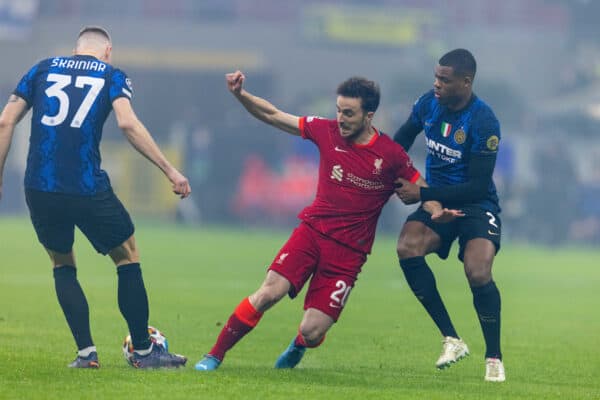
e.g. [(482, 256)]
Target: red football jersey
[(355, 182)]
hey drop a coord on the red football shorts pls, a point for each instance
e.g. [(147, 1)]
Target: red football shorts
[(333, 267)]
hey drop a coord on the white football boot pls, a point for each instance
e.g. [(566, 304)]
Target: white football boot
[(453, 349), (494, 370)]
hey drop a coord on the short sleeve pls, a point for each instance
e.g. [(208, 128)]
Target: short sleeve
[(120, 85), (405, 168), (311, 126), (486, 135), (26, 85)]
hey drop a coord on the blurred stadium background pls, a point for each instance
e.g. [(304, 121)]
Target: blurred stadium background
[(539, 69)]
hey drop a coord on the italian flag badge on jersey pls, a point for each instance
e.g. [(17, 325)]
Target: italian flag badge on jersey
[(446, 129)]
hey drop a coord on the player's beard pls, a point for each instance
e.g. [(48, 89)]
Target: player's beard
[(452, 100), (355, 133), (449, 100)]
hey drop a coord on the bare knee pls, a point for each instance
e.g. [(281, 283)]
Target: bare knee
[(313, 334), (314, 326), (478, 276), (478, 259), (60, 259), (407, 248), (416, 240), (478, 273), (126, 253)]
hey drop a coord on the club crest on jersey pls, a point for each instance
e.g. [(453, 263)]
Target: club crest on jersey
[(492, 143), (446, 129), (460, 136), (377, 164)]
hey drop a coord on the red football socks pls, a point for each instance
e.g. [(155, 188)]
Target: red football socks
[(243, 320)]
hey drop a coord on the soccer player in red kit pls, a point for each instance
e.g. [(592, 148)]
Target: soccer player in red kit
[(358, 168)]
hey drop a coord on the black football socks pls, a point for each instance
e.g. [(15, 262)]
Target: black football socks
[(486, 300), (133, 303), (422, 282), (74, 304)]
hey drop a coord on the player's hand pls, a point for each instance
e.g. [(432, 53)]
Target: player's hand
[(446, 215), (409, 193), (181, 186), (235, 82)]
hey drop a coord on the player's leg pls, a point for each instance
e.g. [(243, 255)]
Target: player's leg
[(52, 222), (416, 240), (326, 297), (291, 268), (311, 334), (106, 223), (133, 304), (244, 318), (75, 307), (131, 293), (478, 257), (103, 219), (480, 242)]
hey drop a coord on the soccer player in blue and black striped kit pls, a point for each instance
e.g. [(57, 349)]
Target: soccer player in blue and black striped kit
[(462, 136), (65, 187)]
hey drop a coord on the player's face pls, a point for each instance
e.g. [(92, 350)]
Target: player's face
[(351, 118), (449, 88)]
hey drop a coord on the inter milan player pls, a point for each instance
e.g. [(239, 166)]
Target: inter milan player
[(357, 171), (462, 136), (71, 98)]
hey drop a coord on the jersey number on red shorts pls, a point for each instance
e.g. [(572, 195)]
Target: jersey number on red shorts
[(340, 295)]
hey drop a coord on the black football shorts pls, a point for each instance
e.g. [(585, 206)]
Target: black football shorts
[(477, 223), (102, 218)]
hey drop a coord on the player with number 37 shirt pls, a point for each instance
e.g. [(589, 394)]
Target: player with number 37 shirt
[(65, 187), (63, 154), (357, 174)]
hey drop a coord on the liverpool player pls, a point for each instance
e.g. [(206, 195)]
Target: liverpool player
[(357, 171)]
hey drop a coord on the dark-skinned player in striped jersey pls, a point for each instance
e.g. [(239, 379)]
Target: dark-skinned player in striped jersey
[(462, 136)]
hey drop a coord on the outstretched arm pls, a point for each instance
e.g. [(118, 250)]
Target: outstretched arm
[(261, 108), (142, 141), (13, 112)]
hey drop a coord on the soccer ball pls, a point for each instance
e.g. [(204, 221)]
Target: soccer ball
[(156, 336)]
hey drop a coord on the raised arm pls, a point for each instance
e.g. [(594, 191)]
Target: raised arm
[(142, 141), (261, 108), (13, 112)]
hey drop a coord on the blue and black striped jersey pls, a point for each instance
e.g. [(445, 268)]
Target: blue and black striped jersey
[(71, 98), (453, 137)]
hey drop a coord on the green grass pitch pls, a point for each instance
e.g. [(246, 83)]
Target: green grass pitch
[(383, 347)]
